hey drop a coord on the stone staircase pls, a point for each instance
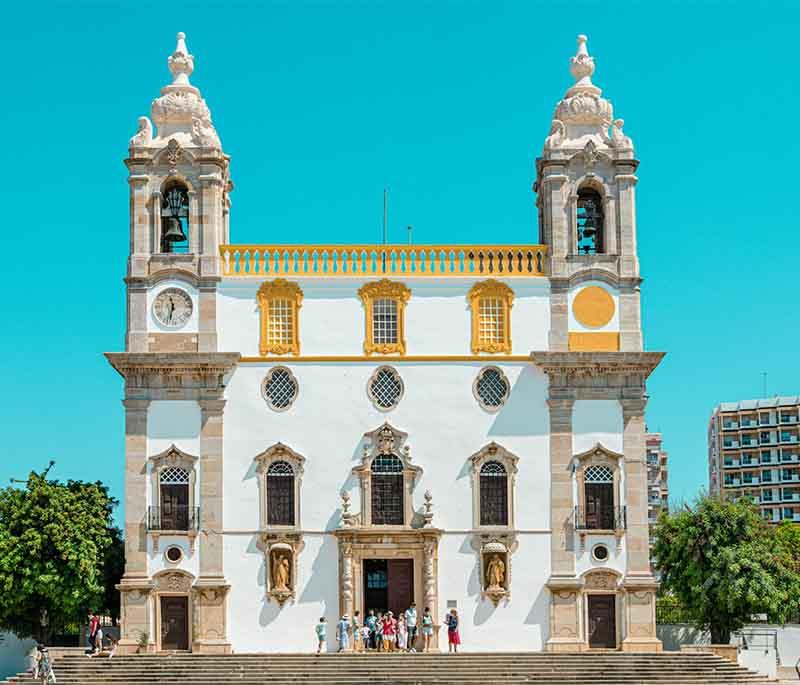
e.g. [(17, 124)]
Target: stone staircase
[(600, 668)]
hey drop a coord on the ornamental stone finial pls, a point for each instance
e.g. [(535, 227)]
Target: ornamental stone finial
[(181, 63), (581, 67)]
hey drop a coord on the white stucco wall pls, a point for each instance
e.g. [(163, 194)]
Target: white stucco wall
[(172, 422), (332, 316)]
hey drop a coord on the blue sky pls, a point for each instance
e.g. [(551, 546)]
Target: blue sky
[(323, 104)]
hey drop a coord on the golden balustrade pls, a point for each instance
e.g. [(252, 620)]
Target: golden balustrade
[(423, 261)]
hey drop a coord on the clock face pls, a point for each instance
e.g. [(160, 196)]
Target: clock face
[(172, 307)]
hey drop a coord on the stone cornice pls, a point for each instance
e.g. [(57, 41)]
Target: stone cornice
[(174, 370), (590, 364)]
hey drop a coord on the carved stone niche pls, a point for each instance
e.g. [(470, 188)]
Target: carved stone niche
[(494, 563), (280, 560)]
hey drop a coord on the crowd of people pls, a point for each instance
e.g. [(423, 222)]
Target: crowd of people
[(382, 632)]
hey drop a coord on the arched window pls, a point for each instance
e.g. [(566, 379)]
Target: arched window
[(175, 218), (174, 510), (387, 496), (598, 484), (280, 494), (590, 222), (494, 494)]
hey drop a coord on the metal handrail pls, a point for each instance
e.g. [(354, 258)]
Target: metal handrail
[(176, 517), (602, 518)]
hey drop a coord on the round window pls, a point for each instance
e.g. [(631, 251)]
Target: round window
[(280, 388), (600, 553), (491, 388), (174, 554), (385, 388)]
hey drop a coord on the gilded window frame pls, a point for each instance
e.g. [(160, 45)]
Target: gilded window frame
[(279, 289), (491, 288), (379, 290)]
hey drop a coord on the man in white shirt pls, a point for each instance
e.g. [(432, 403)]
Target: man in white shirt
[(411, 625)]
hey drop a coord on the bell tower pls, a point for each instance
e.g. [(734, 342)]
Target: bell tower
[(179, 206), (586, 198)]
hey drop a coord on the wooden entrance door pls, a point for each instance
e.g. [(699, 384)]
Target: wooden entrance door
[(602, 621), (174, 623), (401, 584)]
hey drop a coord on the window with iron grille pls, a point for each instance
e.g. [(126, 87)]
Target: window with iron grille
[(385, 388), (280, 494), (491, 388), (173, 475), (491, 302), (494, 494), (280, 388), (387, 490), (384, 321), (279, 302)]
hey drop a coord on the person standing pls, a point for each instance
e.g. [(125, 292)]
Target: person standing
[(370, 624), (342, 629), (427, 629), (94, 624), (379, 632), (356, 632), (402, 634), (453, 638), (322, 633), (411, 625), (388, 632)]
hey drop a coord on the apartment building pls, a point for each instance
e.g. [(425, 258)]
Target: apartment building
[(657, 487), (754, 451)]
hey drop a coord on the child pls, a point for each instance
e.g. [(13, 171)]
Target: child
[(366, 636), (322, 633), (356, 632), (453, 638), (402, 633), (427, 628)]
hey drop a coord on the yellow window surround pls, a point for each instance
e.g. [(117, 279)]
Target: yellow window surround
[(280, 303), (384, 308), (491, 303)]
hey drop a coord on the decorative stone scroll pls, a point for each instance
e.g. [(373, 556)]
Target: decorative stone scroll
[(280, 559), (494, 563)]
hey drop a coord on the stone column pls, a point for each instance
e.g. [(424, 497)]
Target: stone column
[(141, 229), (210, 589), (630, 322), (137, 319), (429, 590), (626, 185), (639, 585), (347, 580), (135, 585), (564, 586), (207, 337)]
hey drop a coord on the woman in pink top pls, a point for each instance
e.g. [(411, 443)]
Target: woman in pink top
[(389, 630)]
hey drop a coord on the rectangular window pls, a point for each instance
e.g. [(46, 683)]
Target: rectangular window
[(766, 476), (279, 326), (384, 322), (491, 320)]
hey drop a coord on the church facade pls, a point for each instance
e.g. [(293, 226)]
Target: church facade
[(329, 429)]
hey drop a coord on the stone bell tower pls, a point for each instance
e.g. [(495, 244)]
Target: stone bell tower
[(179, 206), (179, 185), (586, 197)]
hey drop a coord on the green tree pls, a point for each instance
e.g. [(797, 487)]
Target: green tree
[(113, 568), (724, 563), (54, 539)]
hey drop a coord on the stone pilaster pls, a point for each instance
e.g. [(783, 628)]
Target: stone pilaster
[(559, 317), (135, 585), (211, 589), (137, 319), (630, 322), (639, 585), (207, 337), (564, 587)]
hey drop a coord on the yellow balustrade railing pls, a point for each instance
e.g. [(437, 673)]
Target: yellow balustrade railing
[(327, 261)]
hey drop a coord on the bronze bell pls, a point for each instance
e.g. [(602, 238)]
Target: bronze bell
[(174, 232)]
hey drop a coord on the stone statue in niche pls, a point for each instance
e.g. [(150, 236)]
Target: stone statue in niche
[(280, 572), (495, 573)]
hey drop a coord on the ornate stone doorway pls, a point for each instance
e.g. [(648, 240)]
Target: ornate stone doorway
[(602, 626), (174, 623), (388, 585)]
